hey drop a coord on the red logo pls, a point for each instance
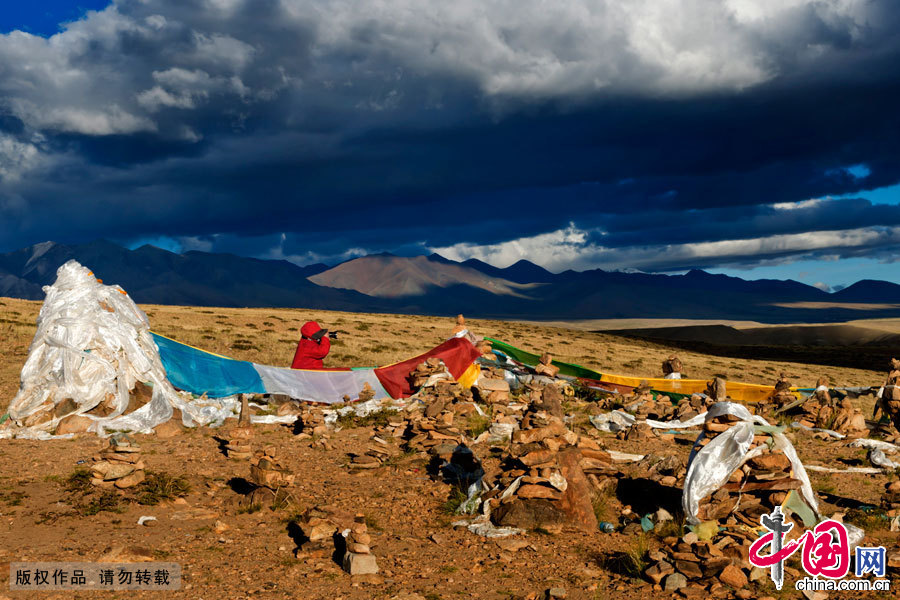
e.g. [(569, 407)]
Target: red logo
[(826, 549)]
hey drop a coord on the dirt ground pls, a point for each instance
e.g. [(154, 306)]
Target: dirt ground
[(228, 551)]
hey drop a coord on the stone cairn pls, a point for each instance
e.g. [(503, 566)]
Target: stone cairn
[(424, 371), (460, 325), (375, 455), (358, 559), (311, 422), (697, 404), (433, 431), (395, 427), (890, 500), (492, 388), (704, 566), (644, 405), (119, 464), (782, 394), (818, 409), (668, 471), (754, 489), (838, 414), (889, 403), (318, 527), (672, 365), (237, 445), (849, 420), (366, 393), (548, 475), (546, 367), (269, 478)]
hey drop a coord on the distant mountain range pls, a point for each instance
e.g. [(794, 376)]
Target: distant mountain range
[(436, 285)]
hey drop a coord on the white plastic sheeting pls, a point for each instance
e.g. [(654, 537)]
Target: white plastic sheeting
[(618, 420), (362, 409), (93, 344), (314, 386), (711, 466), (887, 447)]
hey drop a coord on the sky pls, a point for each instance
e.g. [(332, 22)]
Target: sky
[(757, 138)]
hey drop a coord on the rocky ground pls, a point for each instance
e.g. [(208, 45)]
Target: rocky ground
[(230, 549), (237, 507)]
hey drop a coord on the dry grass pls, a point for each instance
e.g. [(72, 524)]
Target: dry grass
[(269, 336)]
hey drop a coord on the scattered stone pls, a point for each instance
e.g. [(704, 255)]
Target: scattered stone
[(126, 554), (675, 581), (733, 576)]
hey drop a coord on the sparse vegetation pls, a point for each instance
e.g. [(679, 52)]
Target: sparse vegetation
[(159, 486), (457, 497), (108, 500), (375, 419), (477, 424), (249, 509), (79, 482), (631, 562)]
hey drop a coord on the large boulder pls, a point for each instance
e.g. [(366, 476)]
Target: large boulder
[(73, 424)]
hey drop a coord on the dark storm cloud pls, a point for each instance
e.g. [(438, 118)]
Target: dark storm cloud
[(349, 127)]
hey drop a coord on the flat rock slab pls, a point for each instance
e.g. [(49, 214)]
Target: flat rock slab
[(360, 564)]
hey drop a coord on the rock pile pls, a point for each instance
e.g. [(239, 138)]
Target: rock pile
[(318, 528), (689, 562), (668, 471), (889, 402), (70, 422), (367, 393), (492, 390), (642, 403), (546, 477), (694, 405), (119, 464), (715, 390), (782, 394), (849, 420), (827, 412), (890, 500), (268, 477), (546, 367), (433, 432), (311, 422), (817, 410), (425, 370), (375, 455), (395, 427), (237, 444), (358, 559), (759, 485), (671, 367), (460, 325)]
